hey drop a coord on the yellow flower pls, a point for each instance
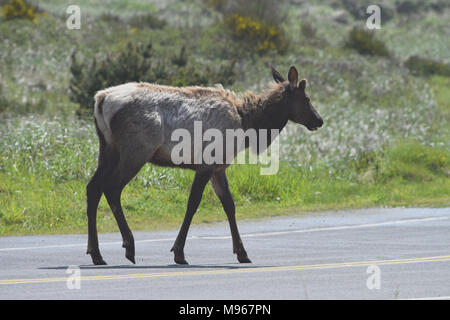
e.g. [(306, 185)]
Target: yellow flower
[(19, 9), (256, 33)]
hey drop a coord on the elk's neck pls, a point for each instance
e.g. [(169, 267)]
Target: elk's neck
[(265, 111)]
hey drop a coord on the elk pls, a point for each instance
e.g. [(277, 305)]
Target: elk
[(134, 122)]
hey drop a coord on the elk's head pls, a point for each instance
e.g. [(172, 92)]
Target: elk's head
[(300, 108)]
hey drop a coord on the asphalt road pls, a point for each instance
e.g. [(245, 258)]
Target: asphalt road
[(362, 254)]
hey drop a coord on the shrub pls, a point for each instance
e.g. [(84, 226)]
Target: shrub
[(366, 166), (438, 5), (219, 5), (255, 33), (110, 18), (136, 63), (19, 9), (410, 6), (3, 101), (269, 11), (132, 64), (365, 43), (181, 59), (254, 25), (308, 30), (422, 66), (147, 20)]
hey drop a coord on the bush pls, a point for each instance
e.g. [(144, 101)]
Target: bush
[(136, 63), (410, 7), (255, 34), (3, 101), (308, 30), (254, 25), (148, 20), (180, 60), (422, 66), (268, 11), (19, 9), (219, 5), (365, 43), (87, 78)]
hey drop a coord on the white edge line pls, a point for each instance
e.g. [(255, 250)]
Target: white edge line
[(368, 225), (249, 235), (430, 298)]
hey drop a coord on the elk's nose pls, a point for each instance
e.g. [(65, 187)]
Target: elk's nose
[(320, 123)]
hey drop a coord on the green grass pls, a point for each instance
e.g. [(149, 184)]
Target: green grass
[(35, 200), (441, 88)]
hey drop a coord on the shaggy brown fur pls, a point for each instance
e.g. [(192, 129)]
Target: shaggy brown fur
[(265, 111)]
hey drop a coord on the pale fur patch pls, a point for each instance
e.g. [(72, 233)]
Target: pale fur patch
[(114, 98), (168, 107)]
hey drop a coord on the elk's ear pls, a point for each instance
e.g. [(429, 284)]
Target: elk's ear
[(276, 75), (293, 77), (302, 84)]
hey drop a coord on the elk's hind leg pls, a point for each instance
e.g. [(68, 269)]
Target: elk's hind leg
[(128, 167), (107, 161), (137, 140)]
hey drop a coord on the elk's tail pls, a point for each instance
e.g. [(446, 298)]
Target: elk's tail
[(102, 127), (108, 156)]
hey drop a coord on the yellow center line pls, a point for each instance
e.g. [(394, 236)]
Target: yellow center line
[(232, 271)]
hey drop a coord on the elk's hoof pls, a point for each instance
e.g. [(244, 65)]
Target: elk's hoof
[(180, 261), (242, 255), (98, 260), (129, 251), (96, 257), (244, 259), (130, 257), (178, 256)]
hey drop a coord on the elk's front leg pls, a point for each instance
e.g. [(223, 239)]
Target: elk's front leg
[(220, 184), (200, 180)]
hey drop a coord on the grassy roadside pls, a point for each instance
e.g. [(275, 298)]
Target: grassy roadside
[(46, 164), (408, 174)]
